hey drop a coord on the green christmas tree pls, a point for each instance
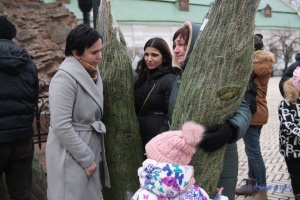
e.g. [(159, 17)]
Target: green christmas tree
[(122, 141), (214, 81)]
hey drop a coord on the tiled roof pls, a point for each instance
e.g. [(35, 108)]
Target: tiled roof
[(166, 12), (158, 12), (277, 6), (283, 16)]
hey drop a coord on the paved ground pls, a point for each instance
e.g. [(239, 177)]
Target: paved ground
[(277, 174)]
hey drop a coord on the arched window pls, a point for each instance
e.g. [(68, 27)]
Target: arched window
[(268, 11), (184, 5)]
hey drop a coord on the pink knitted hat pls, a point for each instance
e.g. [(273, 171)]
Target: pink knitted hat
[(175, 146), (296, 78)]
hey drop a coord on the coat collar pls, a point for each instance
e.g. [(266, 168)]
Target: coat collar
[(73, 67), (263, 56), (291, 94), (158, 73)]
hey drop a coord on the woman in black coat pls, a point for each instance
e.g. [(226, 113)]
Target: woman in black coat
[(152, 89)]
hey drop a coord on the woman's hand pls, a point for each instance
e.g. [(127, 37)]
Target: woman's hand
[(90, 170), (219, 190)]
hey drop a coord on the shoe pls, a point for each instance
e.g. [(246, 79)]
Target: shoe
[(258, 195), (246, 189)]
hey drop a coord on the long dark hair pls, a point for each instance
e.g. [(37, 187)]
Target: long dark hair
[(162, 46)]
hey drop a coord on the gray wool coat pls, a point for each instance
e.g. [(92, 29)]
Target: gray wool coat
[(76, 134)]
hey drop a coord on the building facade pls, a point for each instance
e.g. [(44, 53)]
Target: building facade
[(140, 20)]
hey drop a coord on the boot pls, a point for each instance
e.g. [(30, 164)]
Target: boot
[(246, 189), (258, 195)]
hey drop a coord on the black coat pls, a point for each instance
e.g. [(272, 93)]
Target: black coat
[(153, 118), (18, 92), (250, 95), (289, 117), (289, 73), (289, 131)]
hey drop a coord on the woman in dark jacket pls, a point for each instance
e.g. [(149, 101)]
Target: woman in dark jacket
[(153, 88)]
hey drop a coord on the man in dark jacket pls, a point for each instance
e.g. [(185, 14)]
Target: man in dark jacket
[(289, 73), (18, 97)]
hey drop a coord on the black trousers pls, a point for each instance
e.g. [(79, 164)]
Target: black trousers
[(16, 164), (293, 165)]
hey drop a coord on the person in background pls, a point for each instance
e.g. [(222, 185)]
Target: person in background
[(289, 130), (19, 90), (166, 173), (256, 185), (75, 144), (220, 134), (289, 73), (251, 94), (152, 89)]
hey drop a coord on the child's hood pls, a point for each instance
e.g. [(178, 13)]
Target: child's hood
[(163, 179), (291, 93)]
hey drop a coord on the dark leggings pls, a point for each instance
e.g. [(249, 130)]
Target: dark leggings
[(293, 165)]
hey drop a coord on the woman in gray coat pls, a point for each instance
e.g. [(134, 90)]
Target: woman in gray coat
[(75, 143)]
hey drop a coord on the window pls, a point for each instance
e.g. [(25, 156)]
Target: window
[(268, 11), (184, 5)]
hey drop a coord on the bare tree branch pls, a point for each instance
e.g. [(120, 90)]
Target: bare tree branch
[(284, 44)]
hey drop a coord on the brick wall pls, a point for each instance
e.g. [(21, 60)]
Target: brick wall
[(42, 30)]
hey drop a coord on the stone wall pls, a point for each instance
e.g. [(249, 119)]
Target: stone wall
[(42, 30)]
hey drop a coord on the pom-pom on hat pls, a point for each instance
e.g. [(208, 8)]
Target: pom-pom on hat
[(175, 146), (296, 78), (7, 29)]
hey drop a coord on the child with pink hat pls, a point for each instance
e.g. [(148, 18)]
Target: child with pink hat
[(166, 175)]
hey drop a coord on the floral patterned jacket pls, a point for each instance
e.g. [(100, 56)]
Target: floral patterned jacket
[(163, 181)]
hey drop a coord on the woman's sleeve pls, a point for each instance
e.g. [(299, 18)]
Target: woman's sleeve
[(241, 120), (173, 96)]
